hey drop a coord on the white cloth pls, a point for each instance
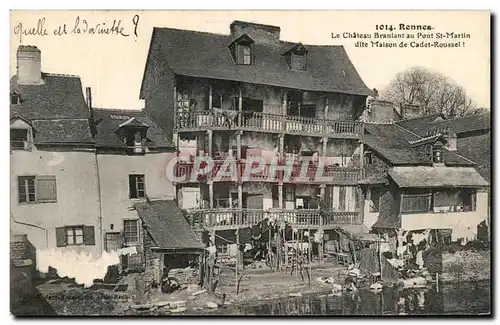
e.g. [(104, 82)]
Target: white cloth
[(420, 260), (401, 250)]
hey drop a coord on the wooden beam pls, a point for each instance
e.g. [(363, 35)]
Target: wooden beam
[(210, 96)]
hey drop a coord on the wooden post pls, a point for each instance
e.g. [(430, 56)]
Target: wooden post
[(437, 282), (240, 107), (380, 257), (238, 144), (240, 195), (280, 196), (282, 145), (285, 252), (309, 254), (210, 96), (237, 256), (175, 105), (269, 251), (210, 143), (278, 247), (211, 194)]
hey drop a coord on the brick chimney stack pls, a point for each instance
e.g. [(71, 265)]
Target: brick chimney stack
[(409, 111), (29, 65), (260, 33)]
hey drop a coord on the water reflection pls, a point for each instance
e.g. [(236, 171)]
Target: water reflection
[(464, 298)]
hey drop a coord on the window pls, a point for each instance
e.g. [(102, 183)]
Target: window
[(18, 138), (462, 200), (135, 142), (37, 189), (298, 61), (14, 98), (290, 194), (375, 201), (112, 241), (223, 249), (75, 235), (368, 158), (131, 231), (342, 198), (26, 189), (416, 203), (437, 153), (137, 188), (244, 54)]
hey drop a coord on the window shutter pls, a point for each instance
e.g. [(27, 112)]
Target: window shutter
[(60, 237), (46, 189), (132, 188), (88, 235)]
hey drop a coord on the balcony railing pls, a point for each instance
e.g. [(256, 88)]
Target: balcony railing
[(239, 171), (265, 122), (249, 217)]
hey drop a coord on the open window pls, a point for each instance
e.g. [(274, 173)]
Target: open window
[(134, 136), (137, 186), (37, 189)]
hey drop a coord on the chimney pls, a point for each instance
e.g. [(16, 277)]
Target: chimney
[(29, 65), (266, 34), (450, 139), (409, 111), (380, 110), (88, 92)]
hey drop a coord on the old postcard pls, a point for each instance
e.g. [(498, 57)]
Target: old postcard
[(250, 163)]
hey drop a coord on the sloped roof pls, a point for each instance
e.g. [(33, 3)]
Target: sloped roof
[(168, 227), (478, 149), (59, 97), (416, 125), (108, 121), (422, 125), (464, 124), (56, 109), (206, 55), (424, 176), (62, 131), (393, 143)]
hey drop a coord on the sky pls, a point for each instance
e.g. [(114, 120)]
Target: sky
[(113, 65)]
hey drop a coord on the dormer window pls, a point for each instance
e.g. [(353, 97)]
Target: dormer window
[(298, 62), (296, 57), (242, 50), (15, 98), (134, 136), (244, 54), (18, 139), (21, 133), (437, 153)]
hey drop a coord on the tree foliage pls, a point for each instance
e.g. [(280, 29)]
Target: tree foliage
[(432, 91)]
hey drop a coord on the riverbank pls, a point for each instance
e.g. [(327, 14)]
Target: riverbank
[(64, 297), (466, 266)]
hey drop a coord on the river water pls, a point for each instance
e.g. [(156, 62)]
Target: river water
[(470, 298)]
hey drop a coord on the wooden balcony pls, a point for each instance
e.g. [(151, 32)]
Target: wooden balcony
[(233, 218), (239, 171), (265, 122)]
